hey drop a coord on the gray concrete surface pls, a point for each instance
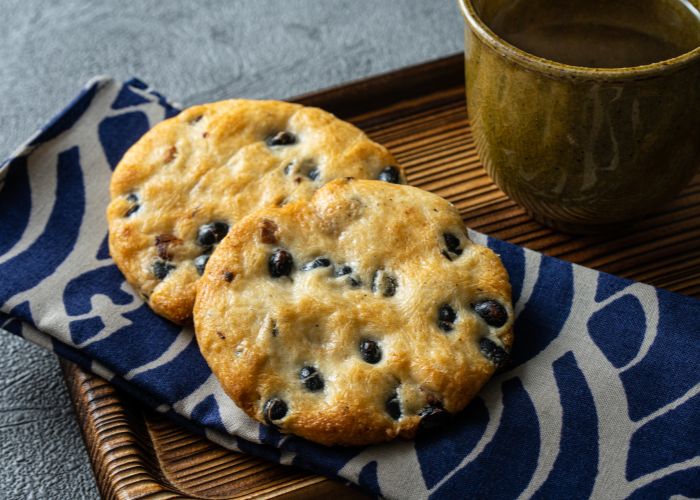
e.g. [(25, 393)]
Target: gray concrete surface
[(193, 51)]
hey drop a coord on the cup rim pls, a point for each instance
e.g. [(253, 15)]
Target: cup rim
[(531, 61)]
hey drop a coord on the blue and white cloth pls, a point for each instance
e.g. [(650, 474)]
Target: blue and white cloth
[(602, 400)]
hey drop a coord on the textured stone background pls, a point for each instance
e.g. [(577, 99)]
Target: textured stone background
[(193, 52)]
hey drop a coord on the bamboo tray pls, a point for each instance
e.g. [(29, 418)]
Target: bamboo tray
[(419, 113)]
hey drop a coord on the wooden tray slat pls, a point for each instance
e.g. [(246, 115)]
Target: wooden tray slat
[(419, 114)]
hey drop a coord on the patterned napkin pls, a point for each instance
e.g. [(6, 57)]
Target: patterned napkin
[(602, 400)]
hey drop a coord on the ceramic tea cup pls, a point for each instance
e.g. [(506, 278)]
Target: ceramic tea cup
[(586, 113)]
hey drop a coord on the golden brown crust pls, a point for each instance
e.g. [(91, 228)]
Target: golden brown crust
[(213, 163), (257, 331)]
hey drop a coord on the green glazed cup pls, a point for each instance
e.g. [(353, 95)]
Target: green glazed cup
[(582, 149)]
